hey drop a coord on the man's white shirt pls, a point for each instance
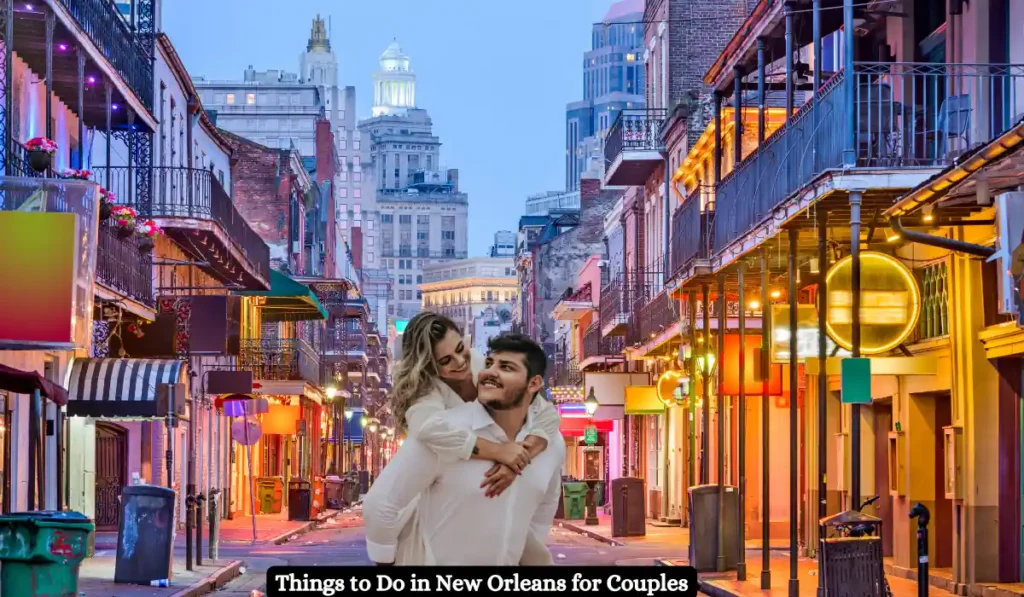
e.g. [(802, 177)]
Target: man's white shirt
[(457, 523)]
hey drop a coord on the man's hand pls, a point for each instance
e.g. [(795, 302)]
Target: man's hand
[(498, 480), (512, 455)]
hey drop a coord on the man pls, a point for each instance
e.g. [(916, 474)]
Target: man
[(455, 523)]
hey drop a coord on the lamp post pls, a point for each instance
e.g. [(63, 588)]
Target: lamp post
[(347, 439), (591, 520), (331, 392)]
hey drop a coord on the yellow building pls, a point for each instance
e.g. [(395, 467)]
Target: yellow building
[(466, 288)]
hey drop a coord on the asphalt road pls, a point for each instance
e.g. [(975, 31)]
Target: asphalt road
[(336, 546)]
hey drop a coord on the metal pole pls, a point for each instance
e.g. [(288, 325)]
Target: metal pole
[(190, 484), (766, 317), (737, 106), (108, 91), (693, 389), (48, 127), (33, 449), (81, 107), (794, 580), (200, 498), (58, 432), (720, 401), (762, 93), (816, 34), (855, 201), (8, 86), (169, 452), (822, 373), (790, 49), (248, 453), (705, 464), (741, 539), (718, 137), (850, 151)]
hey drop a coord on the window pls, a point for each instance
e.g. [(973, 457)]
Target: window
[(357, 193), (357, 209), (369, 224), (231, 98), (342, 192), (355, 144), (419, 294), (385, 218), (405, 219), (419, 279), (369, 241), (250, 98), (423, 220), (343, 176), (358, 177), (370, 257)]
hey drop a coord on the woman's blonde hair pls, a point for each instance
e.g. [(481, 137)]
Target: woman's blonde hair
[(415, 374)]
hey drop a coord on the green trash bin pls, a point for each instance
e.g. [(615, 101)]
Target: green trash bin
[(574, 495), (270, 494), (41, 552)]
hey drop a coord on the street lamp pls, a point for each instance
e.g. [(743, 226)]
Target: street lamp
[(591, 402), (331, 392), (373, 425), (348, 413)]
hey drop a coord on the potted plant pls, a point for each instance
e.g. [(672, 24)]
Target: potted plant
[(107, 201), (148, 230), (124, 217), (40, 153)]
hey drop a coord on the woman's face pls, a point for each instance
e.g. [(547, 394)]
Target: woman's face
[(452, 357)]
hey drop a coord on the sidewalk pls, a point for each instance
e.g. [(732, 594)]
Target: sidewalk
[(657, 534), (270, 528), (95, 579)]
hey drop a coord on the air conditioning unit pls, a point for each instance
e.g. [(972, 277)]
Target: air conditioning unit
[(1010, 221)]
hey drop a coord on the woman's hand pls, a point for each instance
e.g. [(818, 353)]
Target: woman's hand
[(512, 455), (498, 480)]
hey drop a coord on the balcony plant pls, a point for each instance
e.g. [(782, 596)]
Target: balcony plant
[(40, 153), (107, 201), (124, 217), (148, 230)]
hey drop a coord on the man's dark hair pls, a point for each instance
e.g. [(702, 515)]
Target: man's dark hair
[(536, 360)]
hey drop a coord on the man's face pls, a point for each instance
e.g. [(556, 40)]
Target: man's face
[(504, 383)]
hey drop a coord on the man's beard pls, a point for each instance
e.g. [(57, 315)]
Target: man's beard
[(505, 403)]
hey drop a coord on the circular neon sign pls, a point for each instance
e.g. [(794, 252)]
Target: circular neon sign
[(890, 302)]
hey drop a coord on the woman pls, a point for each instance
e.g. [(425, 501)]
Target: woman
[(437, 372)]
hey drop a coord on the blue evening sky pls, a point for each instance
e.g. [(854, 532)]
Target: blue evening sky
[(494, 76)]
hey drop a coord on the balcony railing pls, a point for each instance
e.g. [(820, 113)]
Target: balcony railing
[(279, 360), (567, 372), (642, 287), (905, 115), (655, 317), (614, 300), (130, 56), (121, 267), (634, 130), (334, 344), (693, 229), (191, 193), (580, 295), (597, 345)]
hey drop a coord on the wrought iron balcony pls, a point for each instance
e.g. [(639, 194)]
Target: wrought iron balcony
[(614, 306), (905, 116), (642, 288), (595, 344), (279, 360), (655, 318), (693, 231), (129, 54), (120, 266), (633, 146), (567, 372), (197, 213)]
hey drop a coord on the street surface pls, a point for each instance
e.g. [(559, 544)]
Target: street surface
[(333, 545)]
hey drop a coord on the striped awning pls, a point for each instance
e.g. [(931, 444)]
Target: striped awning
[(113, 388)]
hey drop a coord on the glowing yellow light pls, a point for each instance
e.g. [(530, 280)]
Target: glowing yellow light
[(776, 294), (928, 217), (890, 302), (667, 385), (754, 305), (706, 363), (893, 238)]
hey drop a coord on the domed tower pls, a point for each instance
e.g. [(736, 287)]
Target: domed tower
[(394, 85)]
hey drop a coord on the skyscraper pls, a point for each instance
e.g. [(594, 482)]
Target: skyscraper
[(613, 80), (423, 217)]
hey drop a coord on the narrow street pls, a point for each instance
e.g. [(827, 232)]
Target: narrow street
[(334, 545)]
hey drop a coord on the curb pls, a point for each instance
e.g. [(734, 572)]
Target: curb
[(302, 530), (212, 582), (584, 531)]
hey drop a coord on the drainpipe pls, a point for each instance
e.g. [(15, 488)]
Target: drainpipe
[(939, 241)]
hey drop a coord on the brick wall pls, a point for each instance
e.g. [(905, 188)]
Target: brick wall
[(261, 184), (326, 167)]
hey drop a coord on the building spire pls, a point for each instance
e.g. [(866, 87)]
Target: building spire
[(318, 40)]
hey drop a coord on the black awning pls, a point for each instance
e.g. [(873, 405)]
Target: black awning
[(116, 388)]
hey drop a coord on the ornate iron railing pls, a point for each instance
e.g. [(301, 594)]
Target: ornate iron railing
[(693, 229), (130, 56), (614, 298), (121, 267), (634, 130), (580, 295), (191, 193), (567, 372), (287, 359), (597, 345)]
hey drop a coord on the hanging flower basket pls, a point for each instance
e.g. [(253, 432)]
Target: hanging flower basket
[(107, 201), (77, 174), (124, 217), (40, 153), (148, 230)]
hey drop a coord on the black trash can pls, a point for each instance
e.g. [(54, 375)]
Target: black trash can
[(704, 515), (145, 535), (851, 565), (300, 500)]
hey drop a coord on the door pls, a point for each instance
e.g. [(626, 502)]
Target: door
[(883, 424), (111, 473)]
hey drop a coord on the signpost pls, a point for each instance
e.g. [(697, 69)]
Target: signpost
[(590, 435), (856, 381)]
